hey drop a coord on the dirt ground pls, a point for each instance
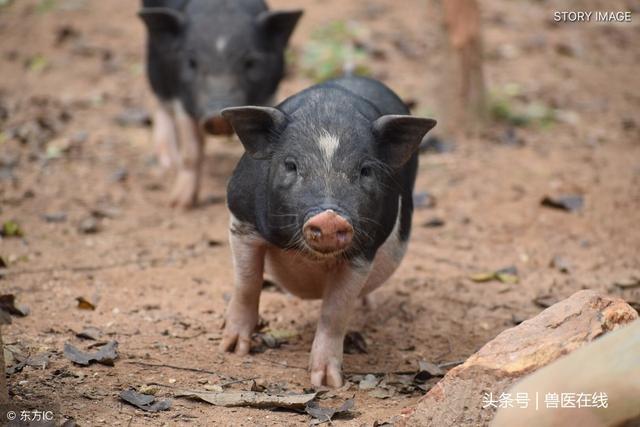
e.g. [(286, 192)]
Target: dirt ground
[(159, 277)]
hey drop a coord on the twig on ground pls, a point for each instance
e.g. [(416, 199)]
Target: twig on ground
[(88, 268), (164, 365)]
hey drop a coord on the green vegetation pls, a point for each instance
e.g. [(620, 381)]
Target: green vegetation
[(11, 229), (334, 49), (507, 105)]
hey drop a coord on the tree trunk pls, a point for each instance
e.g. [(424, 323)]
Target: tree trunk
[(4, 394), (466, 109)]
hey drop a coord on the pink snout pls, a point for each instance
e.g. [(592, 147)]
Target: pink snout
[(328, 232)]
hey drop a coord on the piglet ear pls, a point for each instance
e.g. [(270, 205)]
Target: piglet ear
[(255, 127), (279, 25), (162, 19), (398, 137)]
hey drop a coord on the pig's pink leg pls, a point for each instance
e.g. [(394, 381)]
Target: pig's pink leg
[(339, 301), (185, 190), (248, 252), (165, 139)]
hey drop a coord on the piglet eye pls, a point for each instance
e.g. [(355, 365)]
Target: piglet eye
[(193, 64), (249, 63), (290, 165), (366, 171)]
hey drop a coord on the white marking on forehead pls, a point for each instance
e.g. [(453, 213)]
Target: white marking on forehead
[(328, 145), (221, 44)]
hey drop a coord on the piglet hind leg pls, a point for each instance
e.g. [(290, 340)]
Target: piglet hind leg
[(191, 137), (248, 254), (339, 301)]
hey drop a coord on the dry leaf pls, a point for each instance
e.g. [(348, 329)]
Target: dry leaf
[(323, 415), (84, 304), (251, 399), (354, 343), (145, 402), (569, 203), (8, 304), (105, 355)]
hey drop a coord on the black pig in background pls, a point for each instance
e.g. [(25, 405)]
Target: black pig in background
[(203, 56)]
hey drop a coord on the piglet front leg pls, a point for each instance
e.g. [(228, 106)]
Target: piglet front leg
[(165, 138), (248, 254), (339, 301), (185, 189)]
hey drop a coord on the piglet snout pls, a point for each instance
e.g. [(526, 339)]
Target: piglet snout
[(327, 232)]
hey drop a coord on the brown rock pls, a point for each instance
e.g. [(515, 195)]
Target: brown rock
[(458, 399), (606, 373)]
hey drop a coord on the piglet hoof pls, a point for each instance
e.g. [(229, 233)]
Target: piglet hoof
[(185, 191), (235, 342), (164, 160), (327, 372), (240, 323)]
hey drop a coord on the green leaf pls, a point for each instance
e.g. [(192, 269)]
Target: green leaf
[(11, 229), (483, 276)]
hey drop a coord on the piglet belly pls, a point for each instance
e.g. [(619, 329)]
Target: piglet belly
[(297, 274)]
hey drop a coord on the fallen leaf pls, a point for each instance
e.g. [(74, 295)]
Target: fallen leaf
[(218, 388), (633, 282), (426, 371), (90, 333), (251, 399), (133, 117), (148, 389), (483, 276), (105, 355), (424, 200), (368, 382), (507, 275), (119, 175), (516, 319), (84, 304), (436, 145), (37, 63), (434, 223), (16, 361), (507, 278), (268, 341), (354, 343), (11, 229), (283, 334), (273, 338), (545, 301), (560, 263), (5, 318), (89, 225), (40, 360), (324, 415), (145, 402), (569, 203), (55, 217), (8, 304), (101, 212), (382, 393)]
